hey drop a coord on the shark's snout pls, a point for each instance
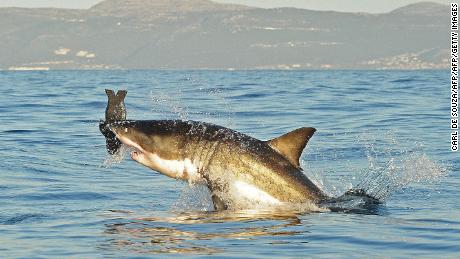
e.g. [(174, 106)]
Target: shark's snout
[(122, 128), (116, 129)]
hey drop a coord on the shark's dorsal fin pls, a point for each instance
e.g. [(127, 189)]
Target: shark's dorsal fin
[(291, 145)]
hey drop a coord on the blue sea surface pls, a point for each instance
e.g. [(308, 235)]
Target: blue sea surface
[(63, 196)]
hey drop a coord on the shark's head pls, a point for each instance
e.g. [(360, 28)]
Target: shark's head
[(134, 135), (155, 145)]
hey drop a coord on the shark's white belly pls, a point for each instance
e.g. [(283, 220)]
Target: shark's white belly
[(245, 193), (179, 169), (241, 193)]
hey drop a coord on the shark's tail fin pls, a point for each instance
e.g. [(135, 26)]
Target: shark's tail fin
[(359, 193), (353, 201)]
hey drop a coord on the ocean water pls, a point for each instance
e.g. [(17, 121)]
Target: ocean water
[(63, 196)]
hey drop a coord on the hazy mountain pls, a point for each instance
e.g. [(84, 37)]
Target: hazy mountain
[(201, 34)]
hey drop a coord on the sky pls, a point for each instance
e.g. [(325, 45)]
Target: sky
[(370, 6)]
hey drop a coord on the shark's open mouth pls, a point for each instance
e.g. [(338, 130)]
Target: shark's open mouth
[(136, 150), (135, 153)]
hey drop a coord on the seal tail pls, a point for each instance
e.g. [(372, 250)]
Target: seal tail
[(115, 111)]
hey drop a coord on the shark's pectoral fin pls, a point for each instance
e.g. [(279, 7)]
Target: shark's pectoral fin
[(291, 145), (218, 203)]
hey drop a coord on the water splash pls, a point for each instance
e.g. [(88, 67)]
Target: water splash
[(168, 105), (118, 156), (382, 181), (194, 197), (392, 166), (165, 105), (379, 163)]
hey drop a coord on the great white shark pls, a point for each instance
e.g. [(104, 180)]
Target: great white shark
[(239, 170)]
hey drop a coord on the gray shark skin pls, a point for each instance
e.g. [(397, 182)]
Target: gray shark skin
[(227, 161)]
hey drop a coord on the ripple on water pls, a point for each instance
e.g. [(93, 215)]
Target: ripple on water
[(21, 218), (67, 196)]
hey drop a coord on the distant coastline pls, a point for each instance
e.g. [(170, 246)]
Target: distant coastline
[(200, 34)]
